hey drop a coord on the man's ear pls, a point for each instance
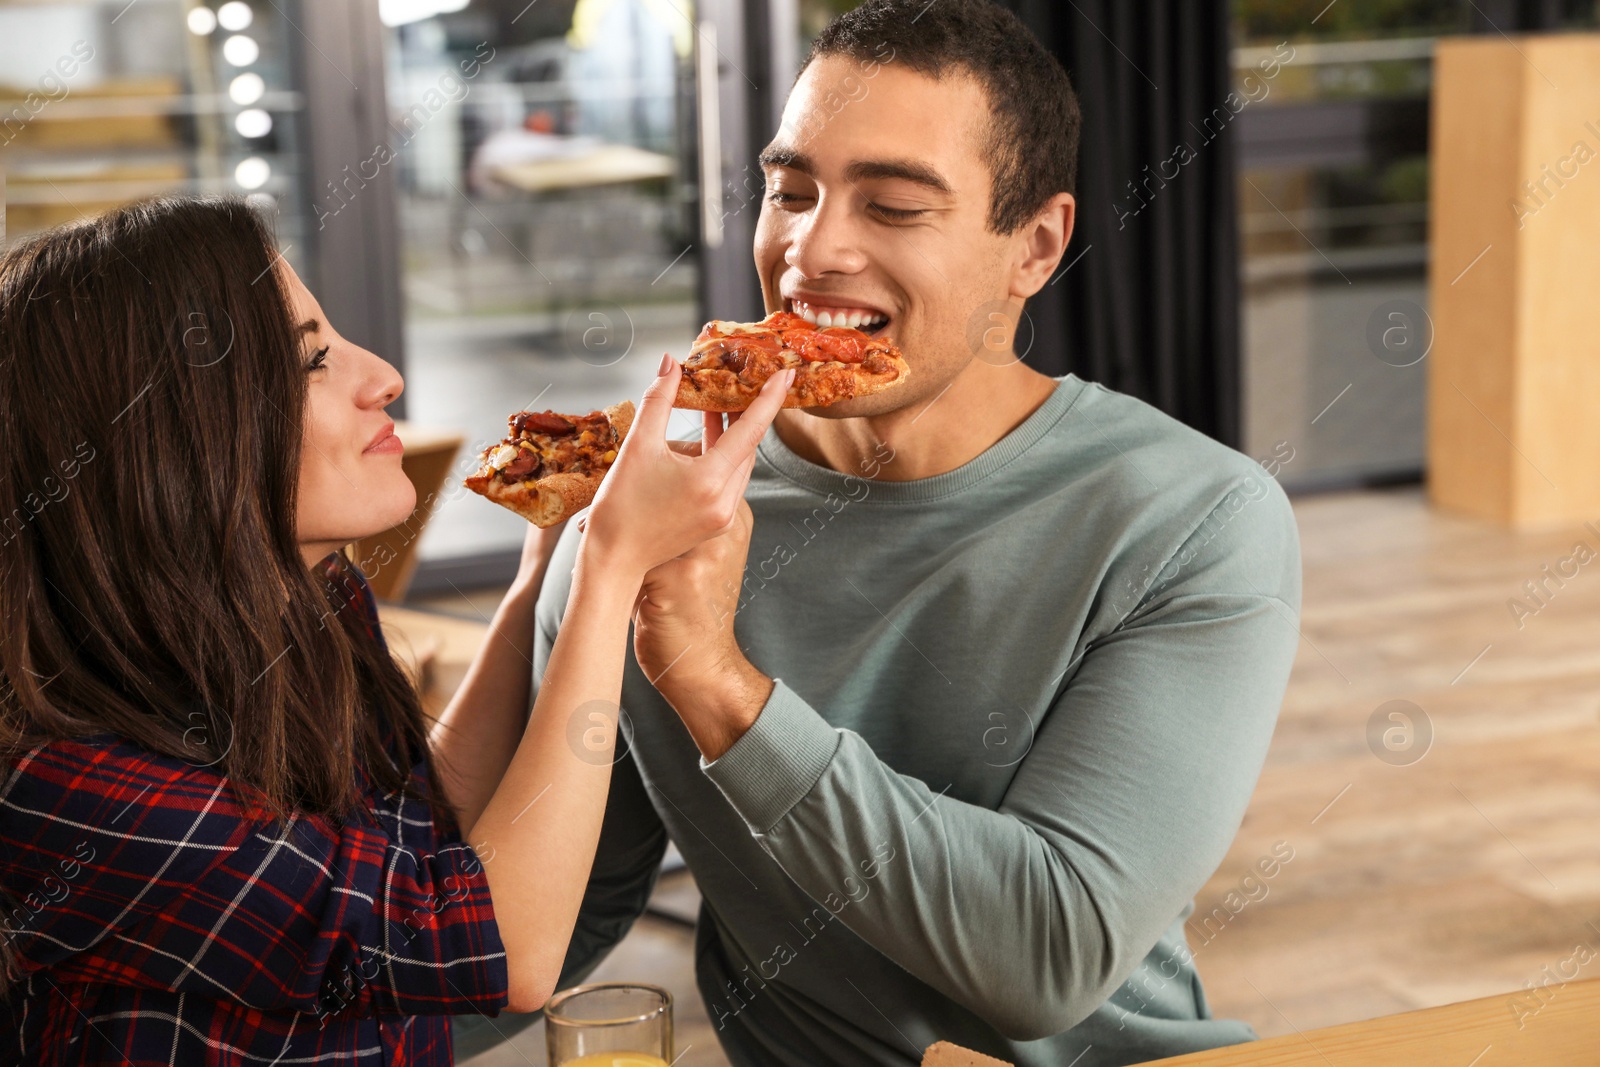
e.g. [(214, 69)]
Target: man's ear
[(1041, 244)]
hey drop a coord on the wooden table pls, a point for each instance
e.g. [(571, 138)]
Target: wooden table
[(1559, 1027), (447, 645), (613, 164)]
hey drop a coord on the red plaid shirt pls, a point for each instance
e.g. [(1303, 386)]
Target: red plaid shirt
[(157, 921)]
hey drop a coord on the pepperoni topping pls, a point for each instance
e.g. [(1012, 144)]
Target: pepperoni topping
[(784, 321), (525, 466), (737, 347), (545, 422), (777, 331), (820, 346)]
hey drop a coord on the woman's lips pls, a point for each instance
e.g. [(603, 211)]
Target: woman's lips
[(386, 443)]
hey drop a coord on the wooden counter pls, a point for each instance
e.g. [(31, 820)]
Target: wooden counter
[(444, 645), (1557, 1027)]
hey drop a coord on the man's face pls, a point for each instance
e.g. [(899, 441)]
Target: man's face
[(877, 206)]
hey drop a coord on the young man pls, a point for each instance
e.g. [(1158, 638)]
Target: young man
[(1032, 635)]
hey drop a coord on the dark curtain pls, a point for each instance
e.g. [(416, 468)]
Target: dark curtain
[(1528, 16), (1148, 303)]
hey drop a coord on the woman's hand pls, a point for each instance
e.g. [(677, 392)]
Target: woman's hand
[(655, 503), (541, 822)]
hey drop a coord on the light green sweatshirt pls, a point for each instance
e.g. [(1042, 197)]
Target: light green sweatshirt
[(1020, 709)]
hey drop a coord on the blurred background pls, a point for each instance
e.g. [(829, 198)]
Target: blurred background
[(523, 203), (536, 227)]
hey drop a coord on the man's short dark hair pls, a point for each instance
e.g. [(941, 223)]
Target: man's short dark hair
[(1034, 142)]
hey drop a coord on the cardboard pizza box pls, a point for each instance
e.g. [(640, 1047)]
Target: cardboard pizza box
[(944, 1054)]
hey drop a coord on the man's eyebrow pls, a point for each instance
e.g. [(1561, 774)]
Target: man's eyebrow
[(308, 326), (779, 156), (907, 170), (861, 170)]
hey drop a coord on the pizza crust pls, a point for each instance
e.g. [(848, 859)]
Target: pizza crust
[(815, 385), (554, 498), (944, 1054)]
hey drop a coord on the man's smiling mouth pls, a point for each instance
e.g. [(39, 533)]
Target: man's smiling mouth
[(867, 320)]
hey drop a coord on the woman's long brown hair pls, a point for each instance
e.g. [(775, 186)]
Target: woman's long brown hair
[(152, 396)]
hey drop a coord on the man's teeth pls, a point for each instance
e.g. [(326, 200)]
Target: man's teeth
[(854, 318)]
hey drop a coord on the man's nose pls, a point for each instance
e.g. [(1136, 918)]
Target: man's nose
[(827, 241)]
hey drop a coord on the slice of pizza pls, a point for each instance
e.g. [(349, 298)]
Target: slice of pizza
[(550, 465), (730, 361), (944, 1054)]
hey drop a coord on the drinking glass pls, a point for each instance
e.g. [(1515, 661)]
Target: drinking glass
[(610, 1024)]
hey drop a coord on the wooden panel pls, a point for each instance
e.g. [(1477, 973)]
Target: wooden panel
[(75, 122), (1565, 1030), (1476, 120), (1558, 362), (1513, 371)]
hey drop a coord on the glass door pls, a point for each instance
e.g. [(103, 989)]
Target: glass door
[(105, 102), (1333, 204), (548, 203)]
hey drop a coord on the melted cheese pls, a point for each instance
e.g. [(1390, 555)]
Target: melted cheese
[(731, 329)]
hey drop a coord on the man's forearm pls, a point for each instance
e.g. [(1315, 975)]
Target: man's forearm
[(718, 706), (1031, 914)]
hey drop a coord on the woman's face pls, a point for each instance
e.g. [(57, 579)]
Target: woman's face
[(351, 483)]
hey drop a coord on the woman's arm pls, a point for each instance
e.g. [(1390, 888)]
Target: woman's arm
[(476, 735), (538, 831)]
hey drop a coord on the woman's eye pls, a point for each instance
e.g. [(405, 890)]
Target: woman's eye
[(318, 359)]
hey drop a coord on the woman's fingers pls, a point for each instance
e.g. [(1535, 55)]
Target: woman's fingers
[(656, 406), (738, 442), (713, 431), (739, 481)]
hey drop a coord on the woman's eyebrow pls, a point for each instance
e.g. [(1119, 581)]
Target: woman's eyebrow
[(308, 326)]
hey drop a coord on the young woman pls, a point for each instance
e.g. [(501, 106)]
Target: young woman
[(227, 832)]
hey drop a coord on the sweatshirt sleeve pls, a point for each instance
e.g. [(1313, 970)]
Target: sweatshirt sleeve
[(1032, 915)]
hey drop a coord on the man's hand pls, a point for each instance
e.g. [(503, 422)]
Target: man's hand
[(683, 639)]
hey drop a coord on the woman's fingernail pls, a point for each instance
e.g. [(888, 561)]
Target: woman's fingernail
[(666, 364)]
